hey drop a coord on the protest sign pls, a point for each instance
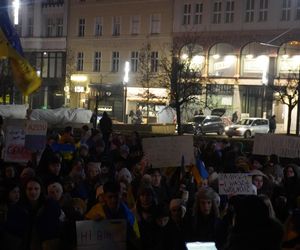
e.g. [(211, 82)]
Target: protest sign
[(14, 150), (281, 145), (101, 235), (35, 135), (235, 184), (168, 151)]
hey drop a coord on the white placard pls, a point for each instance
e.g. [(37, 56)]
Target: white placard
[(168, 151), (101, 235), (280, 145), (235, 183)]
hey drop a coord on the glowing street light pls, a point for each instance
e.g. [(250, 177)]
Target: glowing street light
[(16, 7), (125, 81)]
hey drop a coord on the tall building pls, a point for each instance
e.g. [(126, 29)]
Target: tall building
[(244, 45), (102, 37), (43, 29)]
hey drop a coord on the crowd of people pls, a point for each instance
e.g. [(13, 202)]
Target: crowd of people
[(105, 175)]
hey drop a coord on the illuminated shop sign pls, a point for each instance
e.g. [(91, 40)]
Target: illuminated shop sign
[(259, 64), (288, 65)]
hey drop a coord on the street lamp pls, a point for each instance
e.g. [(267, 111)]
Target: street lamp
[(125, 81)]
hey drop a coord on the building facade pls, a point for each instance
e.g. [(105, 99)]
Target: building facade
[(43, 30), (243, 45), (102, 37)]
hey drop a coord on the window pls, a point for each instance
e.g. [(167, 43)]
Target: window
[(198, 13), (97, 61), (155, 24), (79, 61), (134, 61), (116, 26), (263, 10), (135, 25), (154, 61), (98, 26), (187, 14), (81, 27), (286, 10), (217, 11), (30, 27), (59, 27), (115, 61), (229, 14), (298, 10), (50, 27), (249, 18), (50, 64)]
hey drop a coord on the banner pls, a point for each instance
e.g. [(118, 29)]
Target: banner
[(281, 145), (101, 235), (235, 184), (35, 135), (168, 151), (14, 149)]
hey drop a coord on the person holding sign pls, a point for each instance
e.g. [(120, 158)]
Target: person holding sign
[(113, 209)]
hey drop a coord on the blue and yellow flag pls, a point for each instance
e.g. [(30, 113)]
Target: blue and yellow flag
[(24, 74)]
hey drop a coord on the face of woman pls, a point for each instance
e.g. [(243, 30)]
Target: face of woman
[(33, 191), (205, 206), (14, 195), (258, 181), (55, 191), (290, 172), (146, 200)]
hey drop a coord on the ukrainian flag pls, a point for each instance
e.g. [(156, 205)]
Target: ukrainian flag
[(24, 74)]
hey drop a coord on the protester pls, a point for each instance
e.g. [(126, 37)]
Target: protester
[(272, 124)]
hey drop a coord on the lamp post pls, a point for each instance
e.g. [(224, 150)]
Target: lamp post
[(125, 81)]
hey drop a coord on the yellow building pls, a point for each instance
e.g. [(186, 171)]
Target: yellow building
[(102, 37)]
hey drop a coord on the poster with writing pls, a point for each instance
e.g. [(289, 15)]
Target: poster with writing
[(14, 150), (281, 145), (101, 235), (168, 151), (35, 135), (235, 184)]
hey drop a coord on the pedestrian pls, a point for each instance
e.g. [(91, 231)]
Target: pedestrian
[(105, 126), (272, 124), (234, 118)]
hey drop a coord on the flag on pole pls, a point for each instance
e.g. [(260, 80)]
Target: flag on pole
[(24, 74)]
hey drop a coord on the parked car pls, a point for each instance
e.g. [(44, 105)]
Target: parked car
[(248, 127), (202, 124)]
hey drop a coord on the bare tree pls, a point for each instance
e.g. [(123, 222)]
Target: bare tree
[(183, 77), (148, 73), (287, 92)]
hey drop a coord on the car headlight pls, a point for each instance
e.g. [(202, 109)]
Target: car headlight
[(226, 128), (241, 129)]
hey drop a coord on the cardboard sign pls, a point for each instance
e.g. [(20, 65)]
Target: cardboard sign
[(281, 145), (168, 151), (235, 184), (35, 138), (14, 150), (101, 235)]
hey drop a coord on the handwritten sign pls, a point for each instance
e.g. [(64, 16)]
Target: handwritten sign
[(281, 145), (14, 150), (101, 235), (35, 138), (235, 184), (168, 151)]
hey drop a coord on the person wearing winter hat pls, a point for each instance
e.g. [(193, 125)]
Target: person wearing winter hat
[(260, 181), (174, 236), (206, 225), (125, 175)]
